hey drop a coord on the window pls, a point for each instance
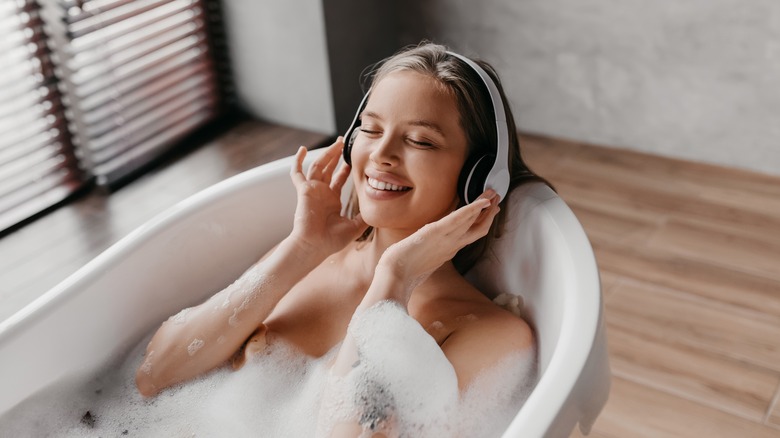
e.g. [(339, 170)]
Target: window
[(37, 165), (96, 88)]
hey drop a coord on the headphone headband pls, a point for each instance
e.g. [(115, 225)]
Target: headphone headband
[(475, 181)]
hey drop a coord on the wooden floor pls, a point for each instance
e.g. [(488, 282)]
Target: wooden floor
[(690, 264), (689, 257)]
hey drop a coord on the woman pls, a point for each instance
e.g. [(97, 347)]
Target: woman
[(426, 114)]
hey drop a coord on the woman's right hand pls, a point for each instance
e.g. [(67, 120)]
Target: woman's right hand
[(412, 260), (319, 226)]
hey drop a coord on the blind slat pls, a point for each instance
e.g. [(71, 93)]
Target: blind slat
[(28, 113), (117, 168), (126, 61), (106, 34), (135, 73), (49, 121), (28, 199), (151, 30), (36, 158), (22, 166), (193, 86), (144, 77), (25, 96), (37, 198), (50, 139), (96, 20), (14, 181), (152, 122), (136, 96)]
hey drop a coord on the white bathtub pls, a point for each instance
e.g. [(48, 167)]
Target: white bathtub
[(202, 244)]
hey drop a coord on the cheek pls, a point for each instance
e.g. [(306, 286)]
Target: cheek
[(441, 179)]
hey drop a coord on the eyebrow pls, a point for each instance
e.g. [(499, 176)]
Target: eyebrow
[(424, 123)]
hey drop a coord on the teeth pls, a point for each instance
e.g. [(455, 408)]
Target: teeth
[(381, 185)]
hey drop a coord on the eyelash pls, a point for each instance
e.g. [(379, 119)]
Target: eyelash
[(424, 144)]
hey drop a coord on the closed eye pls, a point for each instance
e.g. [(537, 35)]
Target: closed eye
[(421, 143)]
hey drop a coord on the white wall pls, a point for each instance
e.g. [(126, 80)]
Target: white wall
[(696, 79), (280, 61)]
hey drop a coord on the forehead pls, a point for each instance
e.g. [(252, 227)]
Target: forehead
[(408, 95)]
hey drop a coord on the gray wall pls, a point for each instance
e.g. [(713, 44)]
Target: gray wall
[(696, 79)]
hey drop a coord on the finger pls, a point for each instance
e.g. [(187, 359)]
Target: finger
[(457, 222), (296, 170), (465, 223), (487, 216), (318, 170), (315, 170), (488, 194), (334, 157), (482, 225), (340, 178), (467, 214), (493, 203)]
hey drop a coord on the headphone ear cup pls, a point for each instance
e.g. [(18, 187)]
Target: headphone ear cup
[(348, 146), (471, 182)]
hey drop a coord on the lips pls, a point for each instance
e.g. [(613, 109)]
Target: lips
[(385, 186)]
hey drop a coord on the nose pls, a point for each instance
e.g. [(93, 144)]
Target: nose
[(385, 151)]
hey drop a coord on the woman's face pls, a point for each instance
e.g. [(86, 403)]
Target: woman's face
[(409, 152)]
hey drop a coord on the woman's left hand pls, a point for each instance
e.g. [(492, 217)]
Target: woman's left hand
[(413, 259)]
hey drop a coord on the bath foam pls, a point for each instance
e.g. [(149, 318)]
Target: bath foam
[(491, 402), (402, 377), (402, 383)]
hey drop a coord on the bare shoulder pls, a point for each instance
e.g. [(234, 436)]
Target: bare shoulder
[(486, 336)]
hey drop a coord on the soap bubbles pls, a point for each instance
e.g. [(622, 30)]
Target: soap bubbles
[(401, 383)]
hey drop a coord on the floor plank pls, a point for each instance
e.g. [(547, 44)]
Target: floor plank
[(638, 411), (696, 374), (721, 246), (753, 295), (689, 320), (773, 415)]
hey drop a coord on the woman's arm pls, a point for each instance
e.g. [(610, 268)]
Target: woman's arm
[(203, 337)]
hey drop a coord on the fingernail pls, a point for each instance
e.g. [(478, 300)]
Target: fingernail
[(488, 194)]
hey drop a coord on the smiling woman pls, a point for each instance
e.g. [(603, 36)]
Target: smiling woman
[(387, 309)]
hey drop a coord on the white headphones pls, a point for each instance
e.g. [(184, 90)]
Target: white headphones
[(481, 172)]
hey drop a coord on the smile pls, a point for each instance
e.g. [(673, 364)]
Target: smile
[(381, 185)]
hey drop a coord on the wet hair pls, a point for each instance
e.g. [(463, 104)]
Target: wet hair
[(477, 120)]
